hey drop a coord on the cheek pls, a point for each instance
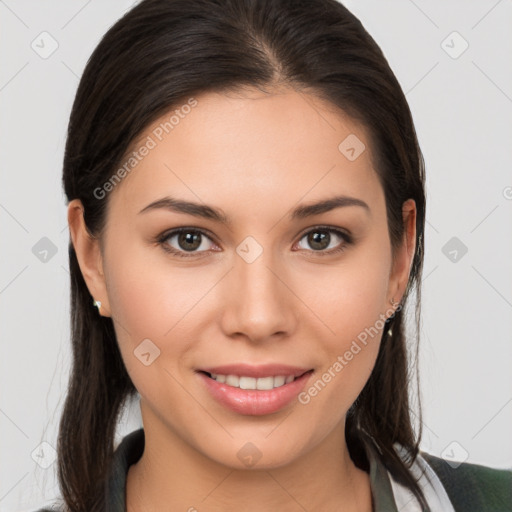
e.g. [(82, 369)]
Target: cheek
[(351, 304), (147, 294), (142, 317), (158, 302), (350, 296)]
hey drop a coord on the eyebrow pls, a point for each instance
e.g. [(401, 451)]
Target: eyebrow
[(212, 213)]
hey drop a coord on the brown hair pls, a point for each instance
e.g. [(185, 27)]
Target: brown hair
[(155, 57)]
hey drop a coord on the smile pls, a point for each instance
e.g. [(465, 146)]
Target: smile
[(245, 382)]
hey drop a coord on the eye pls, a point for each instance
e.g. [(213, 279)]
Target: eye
[(187, 240), (190, 242), (322, 238)]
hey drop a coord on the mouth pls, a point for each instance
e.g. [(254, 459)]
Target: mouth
[(246, 382), (266, 392)]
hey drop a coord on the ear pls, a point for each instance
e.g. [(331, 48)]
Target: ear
[(89, 256), (404, 256)]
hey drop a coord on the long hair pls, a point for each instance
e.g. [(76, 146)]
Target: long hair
[(158, 55)]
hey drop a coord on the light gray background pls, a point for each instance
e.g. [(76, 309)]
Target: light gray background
[(462, 109)]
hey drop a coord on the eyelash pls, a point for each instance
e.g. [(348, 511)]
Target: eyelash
[(164, 237)]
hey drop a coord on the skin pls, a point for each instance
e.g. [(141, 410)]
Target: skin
[(255, 156)]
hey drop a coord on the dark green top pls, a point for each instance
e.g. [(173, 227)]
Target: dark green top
[(469, 487)]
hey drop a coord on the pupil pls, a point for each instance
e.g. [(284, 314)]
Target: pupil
[(189, 238), (316, 238)]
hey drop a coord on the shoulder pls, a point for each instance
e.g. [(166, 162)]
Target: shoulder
[(473, 486)]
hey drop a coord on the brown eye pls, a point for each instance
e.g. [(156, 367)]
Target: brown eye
[(325, 240), (189, 241), (184, 240), (319, 240)]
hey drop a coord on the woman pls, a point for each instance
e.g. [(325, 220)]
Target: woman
[(246, 208)]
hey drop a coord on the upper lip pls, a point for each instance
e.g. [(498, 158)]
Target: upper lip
[(264, 370)]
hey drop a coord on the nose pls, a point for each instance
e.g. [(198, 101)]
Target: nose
[(259, 304)]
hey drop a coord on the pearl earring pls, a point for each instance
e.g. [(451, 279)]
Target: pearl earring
[(394, 304), (97, 303)]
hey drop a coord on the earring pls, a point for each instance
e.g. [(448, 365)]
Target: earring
[(97, 303), (394, 304)]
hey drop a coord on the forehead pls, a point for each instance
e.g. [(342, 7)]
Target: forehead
[(250, 146)]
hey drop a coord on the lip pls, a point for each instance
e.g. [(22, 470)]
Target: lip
[(264, 370), (255, 402)]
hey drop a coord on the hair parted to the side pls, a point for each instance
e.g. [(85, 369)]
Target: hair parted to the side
[(157, 56)]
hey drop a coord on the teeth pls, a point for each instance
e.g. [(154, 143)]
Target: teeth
[(262, 383), (279, 381)]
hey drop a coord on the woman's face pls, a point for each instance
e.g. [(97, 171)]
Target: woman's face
[(276, 282)]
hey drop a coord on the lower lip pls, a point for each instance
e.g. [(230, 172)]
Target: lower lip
[(254, 402)]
